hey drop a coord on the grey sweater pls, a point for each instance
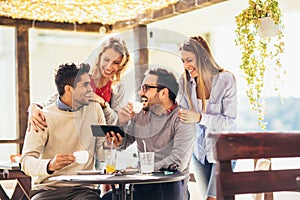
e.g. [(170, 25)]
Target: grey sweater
[(170, 139)]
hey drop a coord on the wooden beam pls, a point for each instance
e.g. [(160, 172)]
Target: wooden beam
[(182, 6), (84, 27), (141, 56), (22, 77), (18, 141)]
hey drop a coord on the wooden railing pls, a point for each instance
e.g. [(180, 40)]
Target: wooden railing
[(19, 142), (259, 145)]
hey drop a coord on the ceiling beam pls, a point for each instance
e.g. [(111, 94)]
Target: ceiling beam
[(182, 6), (84, 27)]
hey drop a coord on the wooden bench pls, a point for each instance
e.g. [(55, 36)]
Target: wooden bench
[(233, 146)]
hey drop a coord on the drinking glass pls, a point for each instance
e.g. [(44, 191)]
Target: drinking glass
[(110, 160), (146, 162)]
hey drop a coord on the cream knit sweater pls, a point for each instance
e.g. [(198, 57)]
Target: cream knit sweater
[(66, 133)]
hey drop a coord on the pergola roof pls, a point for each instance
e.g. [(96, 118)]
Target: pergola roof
[(109, 15), (79, 11)]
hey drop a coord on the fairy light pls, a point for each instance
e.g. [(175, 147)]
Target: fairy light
[(80, 11)]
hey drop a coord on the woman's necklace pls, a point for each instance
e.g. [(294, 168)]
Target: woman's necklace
[(102, 88), (102, 92)]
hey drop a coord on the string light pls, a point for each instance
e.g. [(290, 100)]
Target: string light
[(80, 11), (102, 30)]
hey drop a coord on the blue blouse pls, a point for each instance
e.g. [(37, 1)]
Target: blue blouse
[(221, 111)]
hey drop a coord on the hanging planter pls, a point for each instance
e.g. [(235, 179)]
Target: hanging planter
[(260, 53), (267, 28)]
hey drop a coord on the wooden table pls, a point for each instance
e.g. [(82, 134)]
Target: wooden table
[(11, 171), (122, 180)]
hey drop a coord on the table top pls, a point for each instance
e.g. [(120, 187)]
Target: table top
[(11, 170), (156, 177), (9, 165)]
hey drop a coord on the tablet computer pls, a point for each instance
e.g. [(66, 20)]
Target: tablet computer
[(101, 130)]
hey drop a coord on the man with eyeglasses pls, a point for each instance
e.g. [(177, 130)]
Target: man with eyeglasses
[(162, 131)]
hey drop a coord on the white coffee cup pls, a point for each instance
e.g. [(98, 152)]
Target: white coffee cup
[(137, 106), (81, 156)]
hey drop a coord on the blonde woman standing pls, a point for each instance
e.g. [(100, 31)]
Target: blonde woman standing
[(208, 96)]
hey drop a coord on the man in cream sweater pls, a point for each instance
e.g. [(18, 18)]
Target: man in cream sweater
[(50, 152)]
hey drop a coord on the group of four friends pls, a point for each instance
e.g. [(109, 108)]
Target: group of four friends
[(175, 122)]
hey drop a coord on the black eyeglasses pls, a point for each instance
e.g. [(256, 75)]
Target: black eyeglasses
[(146, 87)]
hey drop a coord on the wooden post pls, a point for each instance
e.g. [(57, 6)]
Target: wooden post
[(140, 53), (267, 195), (22, 79)]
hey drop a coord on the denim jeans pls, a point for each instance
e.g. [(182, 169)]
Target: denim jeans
[(205, 177)]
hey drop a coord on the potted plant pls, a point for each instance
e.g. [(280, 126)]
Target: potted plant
[(259, 53)]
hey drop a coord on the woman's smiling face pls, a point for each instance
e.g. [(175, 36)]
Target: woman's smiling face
[(190, 63), (110, 63)]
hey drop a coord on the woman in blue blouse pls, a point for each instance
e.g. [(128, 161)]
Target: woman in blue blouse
[(208, 96)]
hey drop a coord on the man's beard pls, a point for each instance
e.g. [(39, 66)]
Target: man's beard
[(153, 104)]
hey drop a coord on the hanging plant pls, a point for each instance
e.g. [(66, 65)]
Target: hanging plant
[(259, 54)]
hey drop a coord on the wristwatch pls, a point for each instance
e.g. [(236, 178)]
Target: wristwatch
[(104, 105)]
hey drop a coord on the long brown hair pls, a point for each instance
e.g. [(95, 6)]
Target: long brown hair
[(119, 46), (206, 65)]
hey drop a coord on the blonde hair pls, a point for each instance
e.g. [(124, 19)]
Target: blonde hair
[(206, 65), (119, 46)]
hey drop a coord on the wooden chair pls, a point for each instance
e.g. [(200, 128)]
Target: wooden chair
[(23, 186), (231, 146)]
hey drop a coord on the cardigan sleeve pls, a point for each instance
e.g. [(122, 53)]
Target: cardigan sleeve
[(47, 102), (111, 111), (222, 113)]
